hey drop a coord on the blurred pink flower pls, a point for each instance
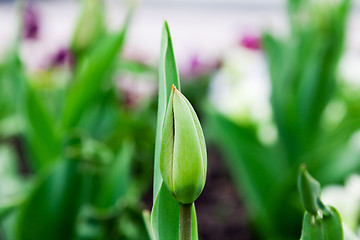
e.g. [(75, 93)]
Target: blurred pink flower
[(197, 66), (250, 41), (30, 23), (62, 57)]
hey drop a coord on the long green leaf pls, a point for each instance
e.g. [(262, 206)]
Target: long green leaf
[(40, 130), (90, 77), (168, 76), (50, 211), (165, 212)]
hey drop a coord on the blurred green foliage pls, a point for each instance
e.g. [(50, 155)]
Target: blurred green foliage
[(74, 155), (304, 85)]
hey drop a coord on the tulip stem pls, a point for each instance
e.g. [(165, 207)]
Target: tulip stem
[(185, 221)]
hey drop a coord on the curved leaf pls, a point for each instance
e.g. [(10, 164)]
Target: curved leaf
[(165, 212), (90, 76)]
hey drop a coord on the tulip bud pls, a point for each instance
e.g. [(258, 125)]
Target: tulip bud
[(183, 160), (309, 190)]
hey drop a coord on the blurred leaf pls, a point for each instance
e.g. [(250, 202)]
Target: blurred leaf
[(165, 210), (40, 130), (12, 83), (6, 207), (256, 169), (326, 228), (11, 126), (303, 72), (89, 78), (281, 62), (115, 180), (90, 26), (7, 161), (52, 207), (131, 224), (340, 162), (134, 67), (8, 226), (100, 118), (12, 191)]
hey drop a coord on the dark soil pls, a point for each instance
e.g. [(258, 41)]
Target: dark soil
[(220, 212)]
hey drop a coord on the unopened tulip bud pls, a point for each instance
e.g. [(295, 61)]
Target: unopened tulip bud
[(309, 190), (183, 160)]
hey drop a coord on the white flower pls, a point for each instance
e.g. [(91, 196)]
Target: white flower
[(241, 91), (346, 199), (349, 70)]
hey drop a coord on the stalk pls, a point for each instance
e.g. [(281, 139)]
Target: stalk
[(185, 221)]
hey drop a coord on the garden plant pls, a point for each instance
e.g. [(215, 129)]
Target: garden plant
[(84, 157)]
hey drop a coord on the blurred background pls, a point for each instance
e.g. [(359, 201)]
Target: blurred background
[(275, 83)]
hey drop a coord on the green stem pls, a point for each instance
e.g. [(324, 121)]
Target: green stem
[(185, 221)]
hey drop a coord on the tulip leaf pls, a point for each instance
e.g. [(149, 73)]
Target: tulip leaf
[(116, 177), (303, 74), (326, 228), (165, 216), (165, 212), (40, 130), (53, 204), (90, 76), (168, 76)]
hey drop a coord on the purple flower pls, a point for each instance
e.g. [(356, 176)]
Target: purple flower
[(30, 23), (198, 65), (251, 42), (62, 57), (195, 64)]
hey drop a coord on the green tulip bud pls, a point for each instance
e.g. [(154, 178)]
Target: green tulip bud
[(183, 160), (309, 190)]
